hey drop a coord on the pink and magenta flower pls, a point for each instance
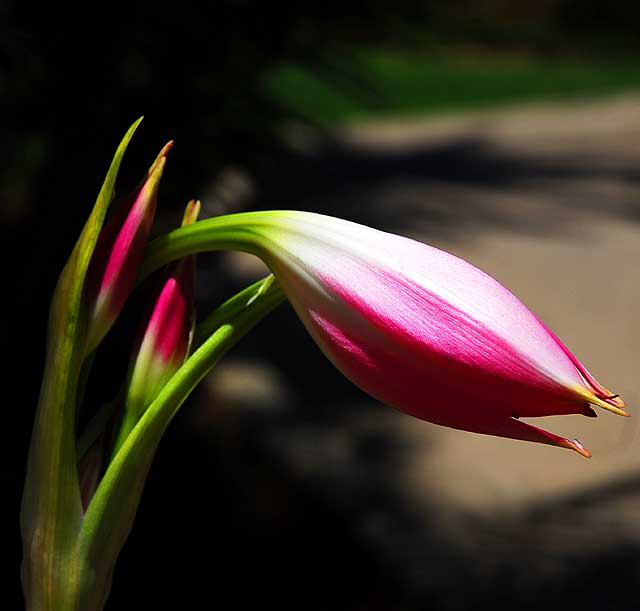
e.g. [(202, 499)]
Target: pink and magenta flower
[(426, 332)]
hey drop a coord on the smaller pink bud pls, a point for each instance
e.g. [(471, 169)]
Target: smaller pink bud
[(120, 247), (167, 336)]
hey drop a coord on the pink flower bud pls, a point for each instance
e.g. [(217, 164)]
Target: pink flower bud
[(167, 336), (120, 247), (425, 331)]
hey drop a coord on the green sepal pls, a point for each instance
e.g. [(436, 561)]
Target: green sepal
[(51, 514)]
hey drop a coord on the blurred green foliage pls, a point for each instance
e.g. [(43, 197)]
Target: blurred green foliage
[(401, 82)]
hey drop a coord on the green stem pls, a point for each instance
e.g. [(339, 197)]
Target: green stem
[(230, 232)]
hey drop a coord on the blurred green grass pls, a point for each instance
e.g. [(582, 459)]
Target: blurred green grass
[(385, 83)]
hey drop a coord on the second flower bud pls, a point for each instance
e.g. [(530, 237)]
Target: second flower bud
[(165, 340)]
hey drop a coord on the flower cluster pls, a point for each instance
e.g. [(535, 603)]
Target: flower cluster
[(415, 327)]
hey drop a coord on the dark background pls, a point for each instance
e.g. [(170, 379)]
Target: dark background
[(225, 520)]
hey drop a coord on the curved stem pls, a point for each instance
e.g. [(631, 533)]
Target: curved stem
[(230, 232)]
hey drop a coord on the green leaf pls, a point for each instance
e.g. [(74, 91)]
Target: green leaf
[(51, 510), (112, 509)]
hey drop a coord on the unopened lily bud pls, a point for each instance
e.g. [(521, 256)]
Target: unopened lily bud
[(417, 328), (166, 337), (425, 331), (117, 256)]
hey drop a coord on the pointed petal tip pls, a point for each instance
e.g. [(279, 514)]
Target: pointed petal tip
[(517, 429), (613, 409), (576, 446), (166, 148), (161, 157)]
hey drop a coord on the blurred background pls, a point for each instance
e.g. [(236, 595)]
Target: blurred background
[(506, 133)]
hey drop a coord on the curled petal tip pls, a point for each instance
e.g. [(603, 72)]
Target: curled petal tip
[(616, 400), (612, 398)]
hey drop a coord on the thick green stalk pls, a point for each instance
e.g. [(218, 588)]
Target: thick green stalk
[(51, 509)]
